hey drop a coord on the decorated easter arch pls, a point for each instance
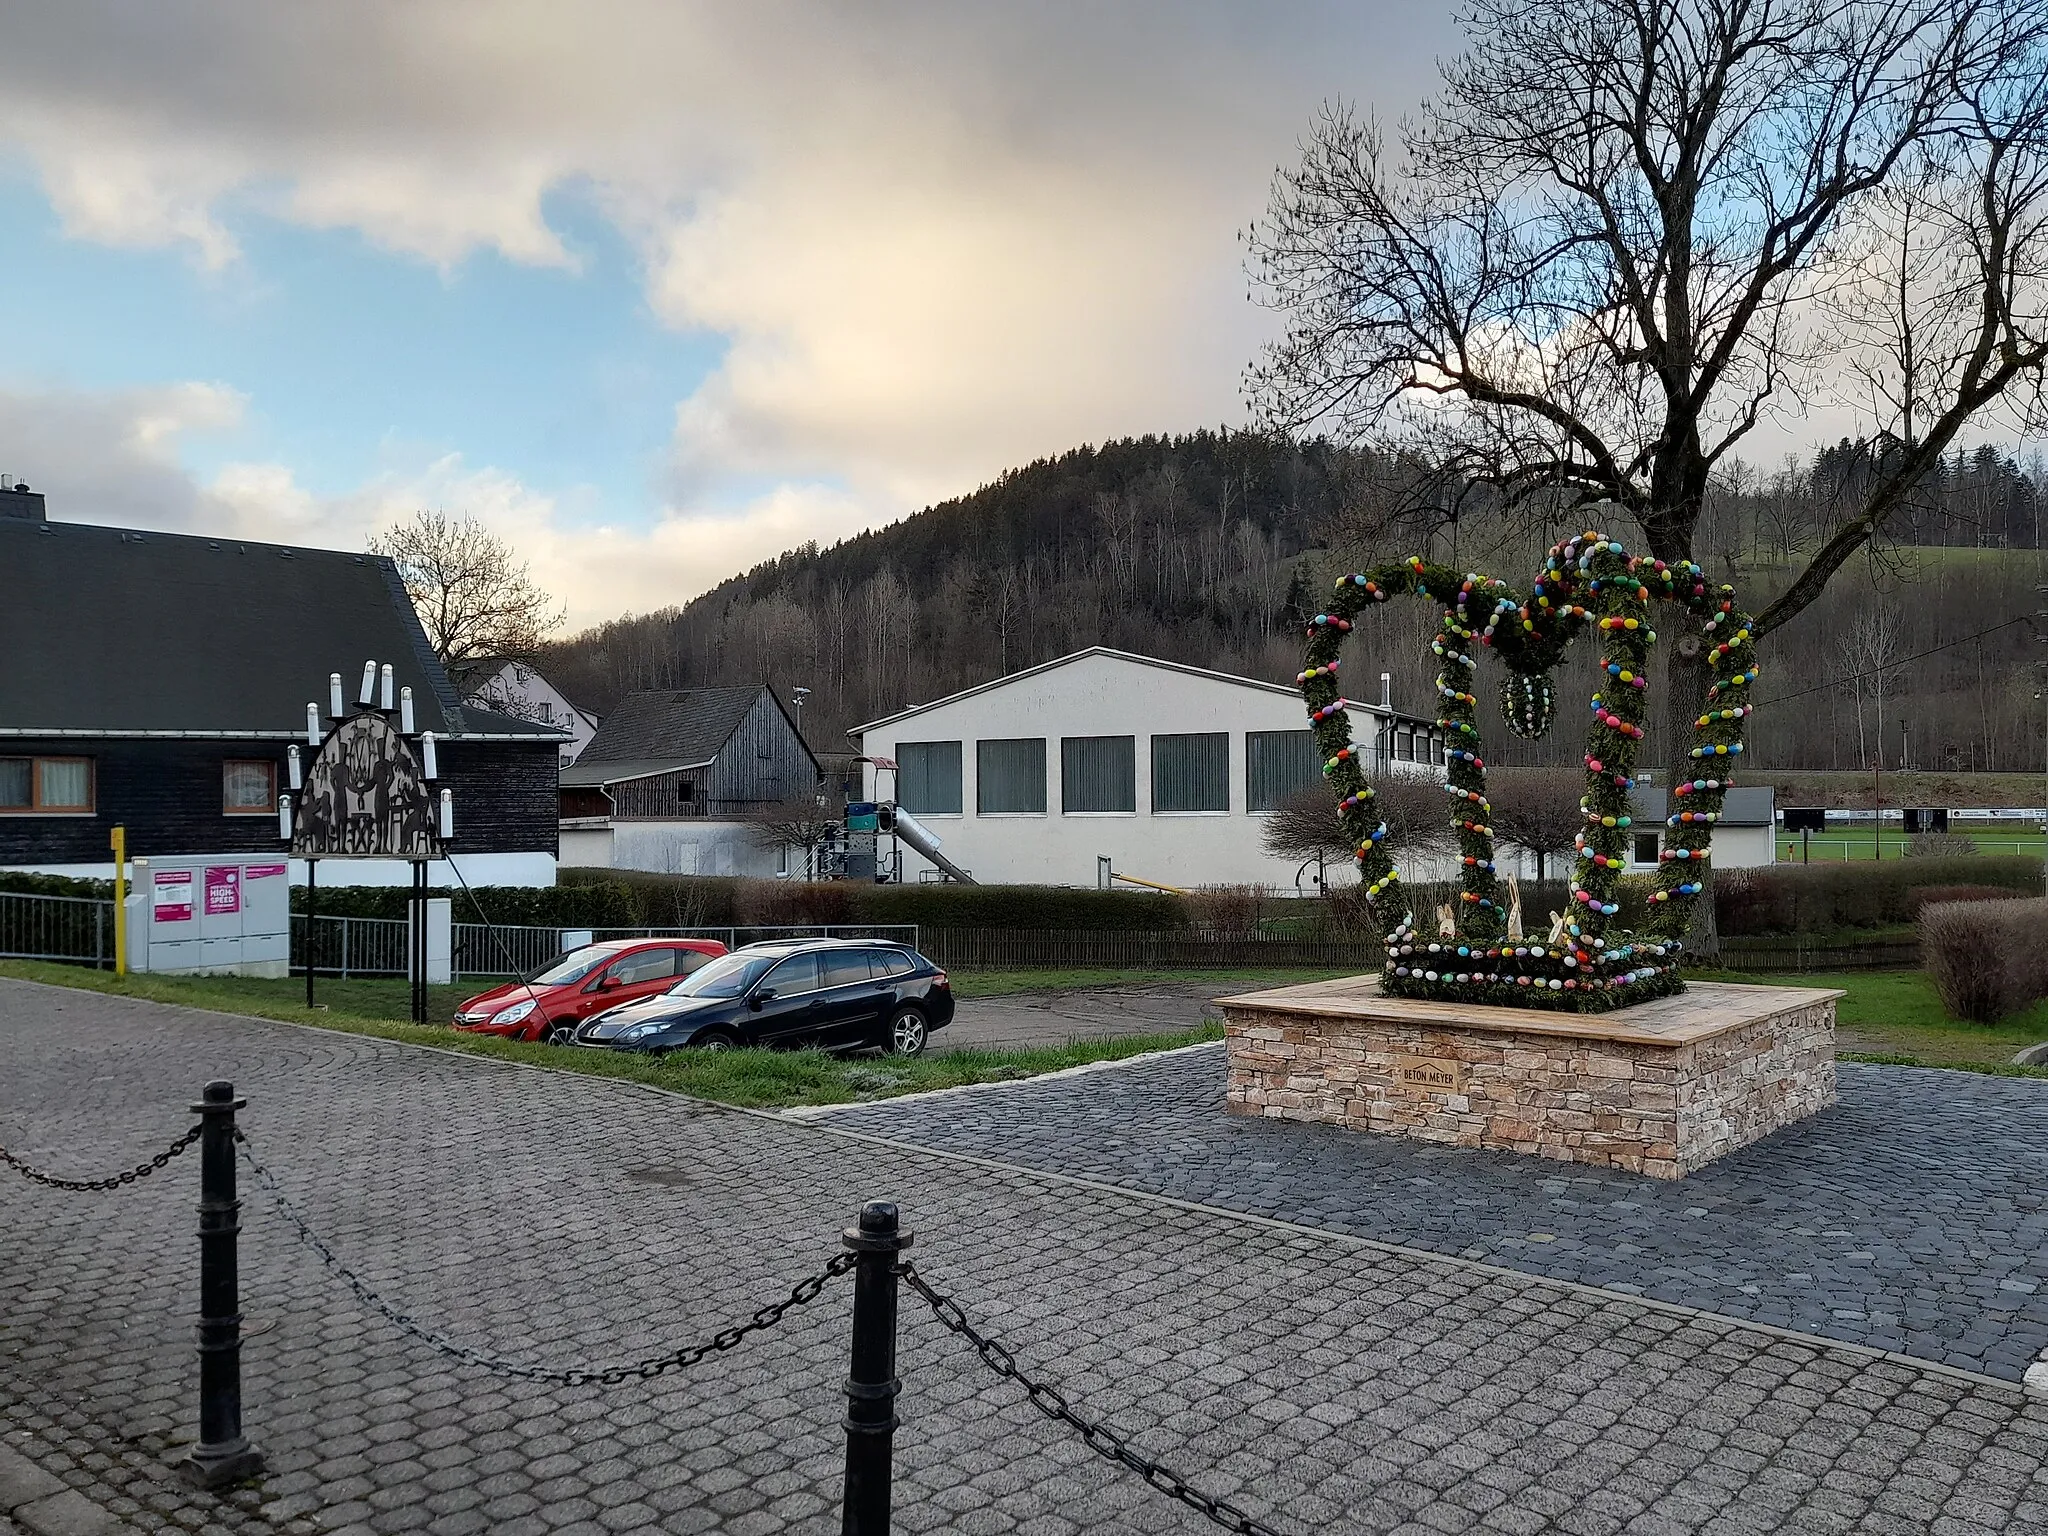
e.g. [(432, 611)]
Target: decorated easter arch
[(1588, 581)]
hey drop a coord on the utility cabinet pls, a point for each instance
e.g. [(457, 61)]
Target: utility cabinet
[(211, 915)]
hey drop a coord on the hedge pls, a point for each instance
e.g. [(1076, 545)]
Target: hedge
[(1822, 898), (55, 885), (718, 901)]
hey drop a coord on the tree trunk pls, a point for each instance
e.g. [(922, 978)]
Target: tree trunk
[(1685, 691)]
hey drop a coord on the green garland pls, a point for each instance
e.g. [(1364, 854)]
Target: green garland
[(1589, 580)]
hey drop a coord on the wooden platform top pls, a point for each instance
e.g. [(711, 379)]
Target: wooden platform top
[(1703, 1010)]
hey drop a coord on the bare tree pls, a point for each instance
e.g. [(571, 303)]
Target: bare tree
[(472, 593), (1871, 651), (1597, 261), (1305, 825), (804, 823), (1537, 810)]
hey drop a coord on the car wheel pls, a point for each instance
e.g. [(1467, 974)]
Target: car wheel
[(907, 1033), (559, 1034), (714, 1040)]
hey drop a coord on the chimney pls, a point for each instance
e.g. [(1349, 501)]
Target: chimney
[(18, 501)]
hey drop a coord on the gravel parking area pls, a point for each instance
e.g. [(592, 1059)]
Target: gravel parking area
[(1055, 1017)]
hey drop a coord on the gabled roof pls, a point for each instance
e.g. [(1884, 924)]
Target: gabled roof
[(1116, 655), (662, 730), (111, 631)]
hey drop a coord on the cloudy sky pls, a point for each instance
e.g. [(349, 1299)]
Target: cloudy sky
[(658, 289)]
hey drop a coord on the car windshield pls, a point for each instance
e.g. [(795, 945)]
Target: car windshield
[(727, 976), (574, 966)]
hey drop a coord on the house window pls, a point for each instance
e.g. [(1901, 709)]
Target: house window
[(686, 791), (1191, 773), (1009, 776), (928, 777), (1404, 746), (248, 787), (1098, 773), (51, 785), (1646, 847), (1278, 764)]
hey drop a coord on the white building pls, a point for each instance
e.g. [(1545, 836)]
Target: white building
[(1745, 837), (1164, 769), (516, 689)]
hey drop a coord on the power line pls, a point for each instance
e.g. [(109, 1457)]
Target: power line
[(1947, 645)]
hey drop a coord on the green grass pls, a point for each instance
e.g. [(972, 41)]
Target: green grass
[(753, 1079), (1895, 1016)]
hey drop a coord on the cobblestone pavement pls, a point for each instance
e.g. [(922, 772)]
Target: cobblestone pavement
[(1081, 1013), (1913, 1216), (1325, 1385)]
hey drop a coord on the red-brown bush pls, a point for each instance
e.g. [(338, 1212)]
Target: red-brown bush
[(1985, 958)]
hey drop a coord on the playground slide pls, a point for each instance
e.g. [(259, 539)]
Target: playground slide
[(926, 842)]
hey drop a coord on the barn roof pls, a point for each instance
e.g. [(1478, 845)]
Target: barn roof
[(114, 631), (662, 730)]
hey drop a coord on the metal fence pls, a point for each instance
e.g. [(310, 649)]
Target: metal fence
[(56, 928), (1789, 955), (997, 949), (350, 946), (483, 950)]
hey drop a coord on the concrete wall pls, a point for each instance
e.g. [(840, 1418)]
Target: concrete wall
[(682, 847), (1109, 695)]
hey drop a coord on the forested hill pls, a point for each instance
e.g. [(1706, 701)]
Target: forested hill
[(1184, 547), (1210, 549)]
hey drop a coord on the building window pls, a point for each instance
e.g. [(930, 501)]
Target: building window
[(1098, 773), (248, 788), (1404, 746), (686, 791), (1278, 764), (928, 777), (1009, 776), (1191, 773), (1646, 847), (51, 785)]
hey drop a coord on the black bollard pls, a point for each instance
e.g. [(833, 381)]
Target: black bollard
[(223, 1455), (871, 1384)]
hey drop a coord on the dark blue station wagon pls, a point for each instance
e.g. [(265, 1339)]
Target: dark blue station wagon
[(835, 994)]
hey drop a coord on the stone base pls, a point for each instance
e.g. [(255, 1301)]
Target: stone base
[(1661, 1088)]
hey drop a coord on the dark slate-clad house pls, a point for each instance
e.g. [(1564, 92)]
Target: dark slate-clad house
[(671, 776), (156, 681)]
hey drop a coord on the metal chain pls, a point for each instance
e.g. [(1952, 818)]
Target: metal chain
[(1095, 1433), (113, 1181), (803, 1291)]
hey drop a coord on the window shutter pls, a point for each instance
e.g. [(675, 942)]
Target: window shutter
[(1009, 776), (1098, 773), (928, 777), (1278, 764), (1191, 772)]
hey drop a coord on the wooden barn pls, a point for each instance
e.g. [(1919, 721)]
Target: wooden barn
[(673, 777)]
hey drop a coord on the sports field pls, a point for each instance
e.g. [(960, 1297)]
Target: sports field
[(1853, 842)]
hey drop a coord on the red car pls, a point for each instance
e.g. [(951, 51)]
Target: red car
[(583, 983)]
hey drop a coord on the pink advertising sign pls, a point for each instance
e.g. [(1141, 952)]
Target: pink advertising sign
[(172, 896), (263, 871), (223, 890)]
